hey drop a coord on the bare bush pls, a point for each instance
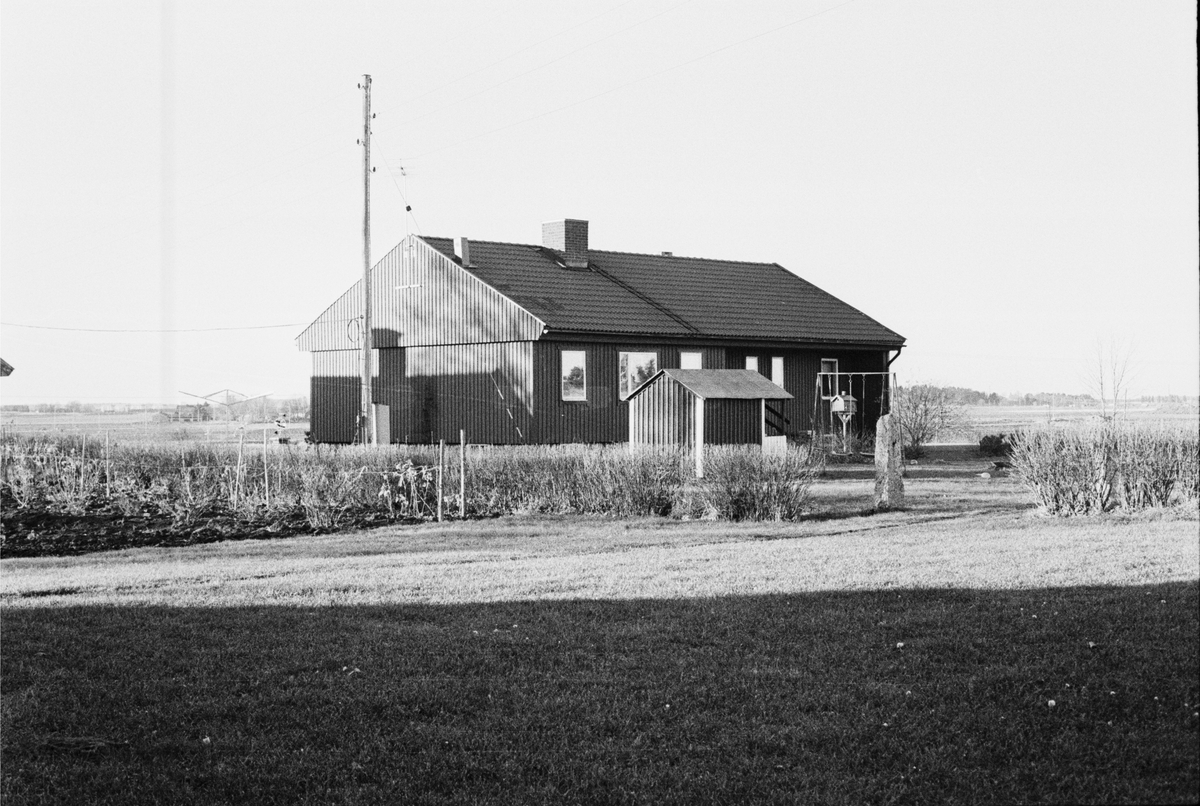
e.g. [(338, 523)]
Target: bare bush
[(925, 412), (1084, 469), (743, 484)]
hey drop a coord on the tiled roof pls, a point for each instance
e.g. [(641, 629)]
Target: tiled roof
[(722, 384), (662, 295)]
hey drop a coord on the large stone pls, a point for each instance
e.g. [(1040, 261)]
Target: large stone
[(889, 465)]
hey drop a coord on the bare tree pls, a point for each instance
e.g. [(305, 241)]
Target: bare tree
[(1111, 370), (924, 412)]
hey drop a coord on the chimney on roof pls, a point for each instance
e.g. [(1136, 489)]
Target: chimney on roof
[(568, 237), (462, 250)]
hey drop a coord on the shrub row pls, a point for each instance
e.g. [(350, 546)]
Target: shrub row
[(1090, 468), (330, 486)]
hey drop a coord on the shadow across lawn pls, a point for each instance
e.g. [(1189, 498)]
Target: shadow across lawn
[(906, 696)]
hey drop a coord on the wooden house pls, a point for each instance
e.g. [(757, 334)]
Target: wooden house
[(545, 343)]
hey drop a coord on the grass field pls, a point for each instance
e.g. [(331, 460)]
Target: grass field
[(985, 420), (907, 657)]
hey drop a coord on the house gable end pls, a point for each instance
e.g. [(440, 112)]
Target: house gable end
[(421, 297)]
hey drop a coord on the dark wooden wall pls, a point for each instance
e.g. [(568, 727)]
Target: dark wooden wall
[(511, 393)]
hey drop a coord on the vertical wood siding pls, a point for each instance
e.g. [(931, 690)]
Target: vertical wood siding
[(733, 422), (422, 297), (663, 414), (335, 395), (603, 417), (800, 369), (483, 389)]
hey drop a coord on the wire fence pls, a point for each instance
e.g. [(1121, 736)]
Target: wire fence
[(330, 487)]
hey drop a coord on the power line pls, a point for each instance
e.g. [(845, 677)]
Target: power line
[(407, 207), (151, 330)]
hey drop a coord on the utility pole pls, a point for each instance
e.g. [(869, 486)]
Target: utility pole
[(368, 413)]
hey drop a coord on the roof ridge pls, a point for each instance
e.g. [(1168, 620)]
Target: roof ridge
[(622, 252)]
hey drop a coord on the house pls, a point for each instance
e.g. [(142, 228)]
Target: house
[(545, 343)]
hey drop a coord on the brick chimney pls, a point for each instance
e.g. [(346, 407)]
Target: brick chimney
[(569, 238)]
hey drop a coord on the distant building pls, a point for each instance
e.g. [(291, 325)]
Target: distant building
[(544, 343)]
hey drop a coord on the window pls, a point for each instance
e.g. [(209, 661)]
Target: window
[(777, 370), (636, 369), (691, 361), (829, 383), (574, 375), (752, 362)]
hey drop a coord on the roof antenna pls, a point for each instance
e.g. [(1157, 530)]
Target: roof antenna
[(407, 206)]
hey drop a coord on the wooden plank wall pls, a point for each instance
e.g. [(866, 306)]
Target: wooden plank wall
[(422, 297), (484, 389), (335, 395), (733, 422), (603, 417), (663, 414)]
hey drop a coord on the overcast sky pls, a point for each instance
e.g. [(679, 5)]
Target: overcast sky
[(1004, 183)]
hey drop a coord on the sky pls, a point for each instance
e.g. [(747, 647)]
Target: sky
[(1006, 184)]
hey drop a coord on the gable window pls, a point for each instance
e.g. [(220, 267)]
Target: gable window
[(829, 383), (752, 362), (691, 360), (636, 369), (777, 370), (574, 375)]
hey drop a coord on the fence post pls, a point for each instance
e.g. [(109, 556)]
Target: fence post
[(266, 472), (441, 475), (237, 474), (107, 469), (462, 473)]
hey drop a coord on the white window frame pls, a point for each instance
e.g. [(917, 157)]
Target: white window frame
[(752, 362), (571, 359), (834, 385), (777, 370), (684, 359), (624, 378)]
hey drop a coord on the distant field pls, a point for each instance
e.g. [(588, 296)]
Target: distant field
[(1004, 419), (144, 426), (151, 427)]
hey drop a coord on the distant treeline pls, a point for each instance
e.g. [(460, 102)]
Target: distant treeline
[(973, 397), (1058, 400)]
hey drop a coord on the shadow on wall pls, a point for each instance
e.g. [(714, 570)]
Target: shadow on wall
[(432, 393)]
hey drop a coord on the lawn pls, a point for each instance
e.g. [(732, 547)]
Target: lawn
[(904, 657)]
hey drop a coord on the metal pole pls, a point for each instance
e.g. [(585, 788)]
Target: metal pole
[(462, 473), (368, 416)]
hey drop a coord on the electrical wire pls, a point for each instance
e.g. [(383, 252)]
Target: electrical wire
[(407, 207), (152, 330)]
